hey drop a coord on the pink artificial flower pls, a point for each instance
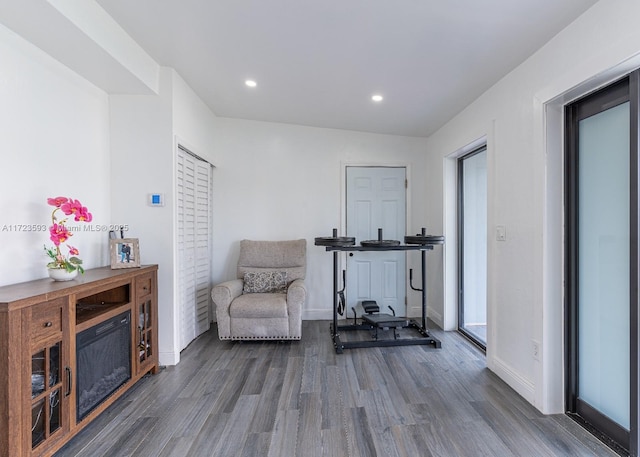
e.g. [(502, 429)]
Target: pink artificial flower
[(57, 201), (58, 233), (83, 215), (73, 250), (71, 207)]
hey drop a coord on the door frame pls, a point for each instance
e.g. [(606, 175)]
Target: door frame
[(342, 257), (449, 319), (460, 246), (181, 145)]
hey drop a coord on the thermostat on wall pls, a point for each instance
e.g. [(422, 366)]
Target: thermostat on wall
[(156, 199)]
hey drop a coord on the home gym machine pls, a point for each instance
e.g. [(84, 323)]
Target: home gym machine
[(372, 319)]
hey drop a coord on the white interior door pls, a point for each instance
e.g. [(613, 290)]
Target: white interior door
[(376, 198), (194, 192)]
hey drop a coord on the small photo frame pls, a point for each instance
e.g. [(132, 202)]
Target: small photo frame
[(125, 253)]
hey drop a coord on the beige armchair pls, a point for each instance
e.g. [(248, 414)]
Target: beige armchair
[(266, 301)]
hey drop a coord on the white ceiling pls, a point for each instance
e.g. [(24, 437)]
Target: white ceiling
[(317, 62)]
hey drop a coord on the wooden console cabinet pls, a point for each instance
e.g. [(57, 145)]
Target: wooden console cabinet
[(39, 322)]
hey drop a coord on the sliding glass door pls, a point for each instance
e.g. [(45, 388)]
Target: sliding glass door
[(472, 245), (602, 261)]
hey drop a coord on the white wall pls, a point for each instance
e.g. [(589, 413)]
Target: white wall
[(278, 181), (142, 163), (143, 133), (54, 127), (525, 190)]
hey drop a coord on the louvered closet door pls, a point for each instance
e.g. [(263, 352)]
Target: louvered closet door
[(194, 192)]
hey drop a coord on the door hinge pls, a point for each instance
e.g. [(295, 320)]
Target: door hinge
[(406, 183), (406, 302)]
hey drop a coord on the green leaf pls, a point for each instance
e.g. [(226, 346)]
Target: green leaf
[(50, 252)]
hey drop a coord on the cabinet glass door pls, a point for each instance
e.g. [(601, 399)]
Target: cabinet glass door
[(145, 328), (46, 393)]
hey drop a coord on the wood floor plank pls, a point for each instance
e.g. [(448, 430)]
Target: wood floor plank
[(478, 439), (235, 432), (209, 436), (285, 433), (264, 418), (256, 444), (409, 387), (383, 411), (290, 394), (332, 398), (129, 441), (385, 443), (361, 433), (406, 443), (348, 382), (449, 406), (176, 447), (510, 428), (255, 377), (367, 373), (162, 431), (436, 438), (237, 379), (300, 398), (310, 424), (310, 381), (209, 380), (280, 353), (334, 443)]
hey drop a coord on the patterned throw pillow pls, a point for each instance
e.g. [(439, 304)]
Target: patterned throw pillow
[(265, 282)]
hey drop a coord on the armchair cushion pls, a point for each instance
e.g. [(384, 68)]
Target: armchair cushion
[(261, 282), (259, 306)]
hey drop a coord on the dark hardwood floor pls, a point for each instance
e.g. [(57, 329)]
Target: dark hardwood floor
[(302, 399)]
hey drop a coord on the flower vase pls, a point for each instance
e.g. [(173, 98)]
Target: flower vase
[(61, 274)]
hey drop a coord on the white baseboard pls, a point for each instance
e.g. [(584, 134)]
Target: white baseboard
[(517, 382), (168, 358), (414, 311), (317, 314), (435, 317)]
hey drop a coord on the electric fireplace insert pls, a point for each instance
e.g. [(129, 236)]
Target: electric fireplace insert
[(103, 361)]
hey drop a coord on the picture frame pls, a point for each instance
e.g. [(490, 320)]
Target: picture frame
[(125, 253)]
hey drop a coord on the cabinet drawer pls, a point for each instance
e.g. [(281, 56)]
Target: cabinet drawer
[(46, 320), (143, 285)]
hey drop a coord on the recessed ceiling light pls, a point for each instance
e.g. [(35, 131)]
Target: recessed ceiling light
[(251, 83), (377, 98)]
